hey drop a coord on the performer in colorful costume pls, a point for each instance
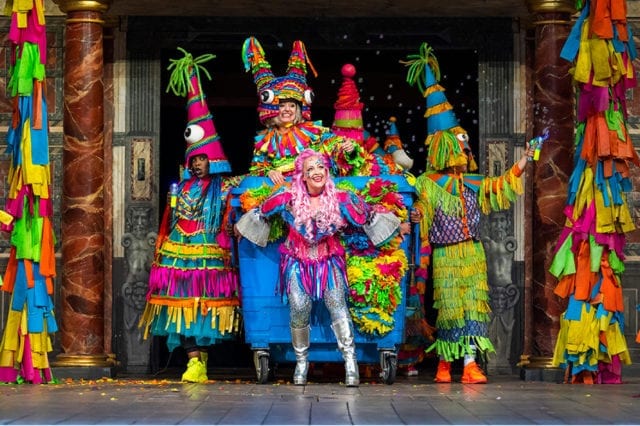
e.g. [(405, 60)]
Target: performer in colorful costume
[(590, 251), (312, 263), (276, 147), (450, 202), (193, 284), (31, 269)]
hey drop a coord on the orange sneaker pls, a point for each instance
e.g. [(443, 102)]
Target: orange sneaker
[(472, 373), (444, 372)]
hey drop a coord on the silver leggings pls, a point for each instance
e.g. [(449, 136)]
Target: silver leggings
[(300, 304)]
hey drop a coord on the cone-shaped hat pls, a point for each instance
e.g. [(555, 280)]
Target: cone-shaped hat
[(200, 134)]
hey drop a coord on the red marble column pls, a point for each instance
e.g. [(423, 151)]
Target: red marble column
[(552, 108), (83, 241)]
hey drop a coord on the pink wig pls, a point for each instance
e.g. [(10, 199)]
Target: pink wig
[(328, 218)]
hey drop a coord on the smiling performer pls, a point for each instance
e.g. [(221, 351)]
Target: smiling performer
[(312, 263), (285, 110), (193, 286)]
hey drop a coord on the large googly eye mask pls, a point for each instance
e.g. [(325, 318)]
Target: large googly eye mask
[(193, 133)]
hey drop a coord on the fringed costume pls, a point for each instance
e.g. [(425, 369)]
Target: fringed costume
[(193, 284), (318, 265), (277, 150), (589, 256), (450, 202), (451, 206), (31, 268)]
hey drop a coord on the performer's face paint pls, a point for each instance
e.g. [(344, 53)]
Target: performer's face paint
[(315, 175)]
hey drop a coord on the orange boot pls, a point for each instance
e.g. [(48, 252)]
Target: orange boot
[(472, 373), (444, 372)]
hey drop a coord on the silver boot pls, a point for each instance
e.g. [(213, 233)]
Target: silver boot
[(300, 343), (344, 333)]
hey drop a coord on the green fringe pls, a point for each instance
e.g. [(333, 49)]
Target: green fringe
[(460, 287), (451, 351), (438, 197)]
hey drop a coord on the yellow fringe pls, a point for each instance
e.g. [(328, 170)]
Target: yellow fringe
[(184, 312)]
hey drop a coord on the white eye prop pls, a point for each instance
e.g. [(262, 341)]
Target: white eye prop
[(267, 96), (193, 133), (308, 96), (463, 137)]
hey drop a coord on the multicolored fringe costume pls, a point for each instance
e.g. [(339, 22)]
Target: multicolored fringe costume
[(193, 283), (31, 269), (451, 206), (276, 151), (590, 251), (321, 264), (375, 273)]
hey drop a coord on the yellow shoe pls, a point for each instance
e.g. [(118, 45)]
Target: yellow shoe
[(196, 372), (472, 373), (443, 375)]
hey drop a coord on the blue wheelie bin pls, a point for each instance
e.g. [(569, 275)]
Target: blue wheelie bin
[(266, 316)]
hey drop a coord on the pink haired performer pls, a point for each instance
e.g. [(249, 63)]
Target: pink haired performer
[(312, 263)]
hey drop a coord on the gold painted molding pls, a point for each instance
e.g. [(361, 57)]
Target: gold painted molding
[(529, 361), (64, 360), (551, 6), (83, 5)]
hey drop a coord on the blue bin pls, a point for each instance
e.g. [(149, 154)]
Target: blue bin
[(266, 316)]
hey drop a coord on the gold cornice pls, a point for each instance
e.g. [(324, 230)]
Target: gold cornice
[(83, 5), (551, 6)]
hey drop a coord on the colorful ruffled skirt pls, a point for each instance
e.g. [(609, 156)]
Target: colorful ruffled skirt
[(193, 291)]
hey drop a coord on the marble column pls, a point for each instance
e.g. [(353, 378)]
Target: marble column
[(83, 241), (552, 108)]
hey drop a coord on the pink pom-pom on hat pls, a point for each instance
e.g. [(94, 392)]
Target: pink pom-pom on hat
[(347, 120)]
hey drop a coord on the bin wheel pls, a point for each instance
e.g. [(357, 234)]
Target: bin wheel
[(261, 361), (389, 367)]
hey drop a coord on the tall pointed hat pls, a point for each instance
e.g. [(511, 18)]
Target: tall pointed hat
[(446, 140), (200, 134), (271, 89), (347, 120)]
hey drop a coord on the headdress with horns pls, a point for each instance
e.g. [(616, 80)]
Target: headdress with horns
[(272, 89)]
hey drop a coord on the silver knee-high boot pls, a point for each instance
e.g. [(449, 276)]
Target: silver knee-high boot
[(344, 334), (300, 343)]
